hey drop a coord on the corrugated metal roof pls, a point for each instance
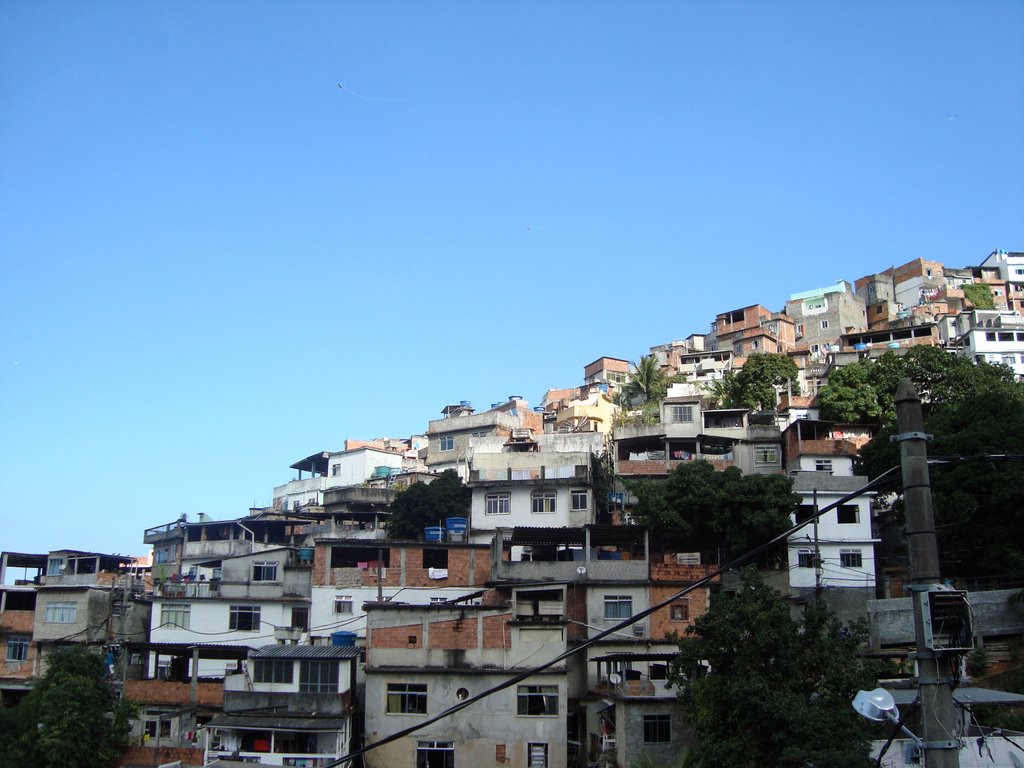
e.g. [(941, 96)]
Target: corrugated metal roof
[(307, 652), (279, 722)]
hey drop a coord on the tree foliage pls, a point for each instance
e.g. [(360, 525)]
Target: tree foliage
[(71, 718), (779, 689), (865, 392), (426, 504), (980, 295), (647, 383), (756, 384), (706, 509), (978, 514)]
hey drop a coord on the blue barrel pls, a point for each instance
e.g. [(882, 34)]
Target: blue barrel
[(456, 524), (343, 638), (306, 554), (381, 471), (433, 533), (893, 345)]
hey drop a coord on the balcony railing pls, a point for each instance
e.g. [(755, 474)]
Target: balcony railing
[(187, 589)]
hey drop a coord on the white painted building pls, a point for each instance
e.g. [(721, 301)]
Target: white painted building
[(990, 336), (339, 469)]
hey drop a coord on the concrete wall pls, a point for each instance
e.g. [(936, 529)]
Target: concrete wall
[(355, 467), (92, 609), (892, 621), (521, 512)]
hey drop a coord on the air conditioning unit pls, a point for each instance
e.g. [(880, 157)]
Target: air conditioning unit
[(639, 630), (687, 558)]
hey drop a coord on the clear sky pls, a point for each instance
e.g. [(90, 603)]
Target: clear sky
[(215, 261)]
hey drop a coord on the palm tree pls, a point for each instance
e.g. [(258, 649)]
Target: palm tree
[(647, 382)]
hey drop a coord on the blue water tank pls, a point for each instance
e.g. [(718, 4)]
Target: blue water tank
[(860, 347), (893, 345), (433, 533), (343, 638), (456, 524)]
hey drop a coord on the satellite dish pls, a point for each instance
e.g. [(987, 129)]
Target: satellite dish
[(615, 678), (876, 705), (581, 570)]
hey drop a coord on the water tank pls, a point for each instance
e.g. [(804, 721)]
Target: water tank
[(381, 471), (893, 345), (465, 403), (433, 533), (456, 524), (860, 347), (514, 398), (306, 555), (343, 638), (539, 409)]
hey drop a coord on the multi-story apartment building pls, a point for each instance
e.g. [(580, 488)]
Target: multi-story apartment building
[(822, 315), (529, 479), (989, 336), (611, 371), (752, 329), (583, 409), (339, 469), (1006, 268), (689, 430), (449, 438)]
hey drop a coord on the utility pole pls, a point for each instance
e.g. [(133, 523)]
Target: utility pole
[(941, 749)]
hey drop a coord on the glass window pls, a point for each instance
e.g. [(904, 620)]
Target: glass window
[(848, 514), (682, 414), (55, 566), (823, 465), (61, 613), (264, 571), (537, 756), (805, 558), (300, 619), (17, 647), (766, 454), (543, 502), (448, 443), (435, 754), (657, 729), (343, 603), (175, 615), (850, 558), (498, 504), (680, 612), (580, 500), (618, 606), (318, 677), (244, 618), (272, 670), (537, 700), (407, 699)]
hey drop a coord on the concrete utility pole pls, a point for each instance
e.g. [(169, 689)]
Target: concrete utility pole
[(941, 749)]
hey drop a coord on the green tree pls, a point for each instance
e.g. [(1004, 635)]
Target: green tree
[(647, 383), (757, 382), (978, 515), (867, 393), (778, 690), (425, 504), (71, 718), (980, 295), (701, 507)]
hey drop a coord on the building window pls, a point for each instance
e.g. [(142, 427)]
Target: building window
[(755, 344), (537, 700), (1009, 359), (61, 613), (435, 558), (335, 470), (244, 618), (343, 603), (498, 504), (799, 329), (318, 677), (272, 670), (176, 615), (264, 571), (766, 454), (580, 500), (543, 502), (824, 324), (804, 558), (17, 647), (300, 619), (682, 414), (990, 335), (823, 465), (407, 699), (618, 606), (850, 558), (680, 612), (55, 566), (537, 756), (435, 754), (848, 514), (448, 443), (657, 729)]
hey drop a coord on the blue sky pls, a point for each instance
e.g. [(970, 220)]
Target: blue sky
[(216, 261)]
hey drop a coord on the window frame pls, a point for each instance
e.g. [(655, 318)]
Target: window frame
[(236, 612), (20, 645), (533, 697), (851, 558), (823, 465), (343, 604), (614, 605), (681, 414), (766, 455), (575, 495), (679, 611), (541, 500), (182, 621), (60, 612), (657, 728), (326, 679), (425, 747), (537, 754), (264, 571), (446, 443), (273, 671), (499, 503), (407, 701), (848, 514)]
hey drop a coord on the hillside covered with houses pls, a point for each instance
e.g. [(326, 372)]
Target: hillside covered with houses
[(539, 562)]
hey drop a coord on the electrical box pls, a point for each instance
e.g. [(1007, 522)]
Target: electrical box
[(948, 625)]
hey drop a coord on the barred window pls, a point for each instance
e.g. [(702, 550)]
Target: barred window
[(657, 729)]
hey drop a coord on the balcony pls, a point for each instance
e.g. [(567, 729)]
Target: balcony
[(192, 589), (159, 533), (208, 694), (505, 476), (568, 570)]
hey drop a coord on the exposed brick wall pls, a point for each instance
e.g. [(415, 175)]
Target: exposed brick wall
[(396, 637), (149, 757), (455, 633), (321, 556), (661, 621), (682, 573), (496, 633), (173, 692), (17, 622)]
